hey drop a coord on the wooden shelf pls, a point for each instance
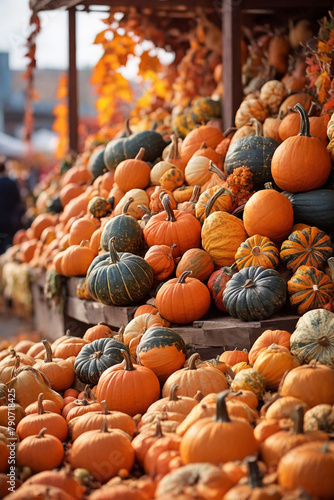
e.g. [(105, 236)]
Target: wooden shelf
[(209, 336)]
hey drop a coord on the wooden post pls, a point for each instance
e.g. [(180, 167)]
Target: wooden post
[(231, 10), (72, 83)]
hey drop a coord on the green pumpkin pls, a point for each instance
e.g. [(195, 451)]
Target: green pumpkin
[(254, 293), (53, 205), (162, 350), (119, 279), (314, 337), (128, 233), (99, 207), (96, 357), (204, 109), (315, 208), (122, 149), (254, 152), (96, 164)]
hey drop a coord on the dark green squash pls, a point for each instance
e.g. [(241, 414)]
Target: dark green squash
[(128, 147), (254, 293), (96, 357), (128, 233), (315, 208), (162, 350), (254, 152), (204, 109), (96, 164), (119, 279)]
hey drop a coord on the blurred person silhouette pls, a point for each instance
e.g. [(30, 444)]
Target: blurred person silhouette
[(10, 207)]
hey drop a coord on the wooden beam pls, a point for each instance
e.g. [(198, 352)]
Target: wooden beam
[(231, 30), (72, 83)]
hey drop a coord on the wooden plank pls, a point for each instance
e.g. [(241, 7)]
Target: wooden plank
[(90, 311), (72, 83), (231, 35), (48, 321)]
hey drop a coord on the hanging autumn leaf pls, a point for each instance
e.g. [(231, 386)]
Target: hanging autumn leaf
[(60, 124), (148, 63)]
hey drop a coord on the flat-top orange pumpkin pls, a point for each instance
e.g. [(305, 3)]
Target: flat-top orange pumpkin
[(133, 173), (301, 163), (212, 136)]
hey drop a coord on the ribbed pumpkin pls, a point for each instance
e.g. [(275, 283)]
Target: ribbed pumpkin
[(81, 229), (215, 199), (179, 228), (126, 230), (162, 350), (96, 357), (313, 337), (222, 234), (140, 198), (309, 247), (212, 136), (199, 443), (136, 328), (217, 284), (257, 251), (309, 289), (314, 208), (273, 362), (267, 213), (190, 205), (198, 261), (197, 170), (267, 338), (206, 379), (256, 153), (119, 279), (233, 357), (160, 258), (249, 380), (254, 293), (183, 300), (295, 172), (128, 388), (272, 94), (158, 171), (251, 108), (76, 259), (183, 193), (133, 173)]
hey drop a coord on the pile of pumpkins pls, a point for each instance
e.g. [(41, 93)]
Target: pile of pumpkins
[(241, 220), (133, 415)]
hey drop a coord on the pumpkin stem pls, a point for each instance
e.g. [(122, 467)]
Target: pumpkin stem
[(128, 130), (140, 154), (144, 209), (323, 341), (182, 278), (104, 427), (209, 204), (312, 110), (215, 170), (128, 362), (12, 352), (268, 185), (173, 152), (48, 351), (256, 251), (254, 473), (298, 420), (192, 361), (84, 243), (325, 447), (126, 206), (172, 393), (198, 396), (221, 410), (229, 131), (195, 194), (166, 204), (257, 125), (158, 431), (40, 403), (105, 406), (41, 432), (304, 121), (112, 250), (248, 283)]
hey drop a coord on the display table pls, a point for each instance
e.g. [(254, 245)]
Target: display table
[(209, 336)]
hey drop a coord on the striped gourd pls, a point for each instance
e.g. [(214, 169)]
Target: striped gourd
[(257, 251), (308, 247), (309, 289)]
